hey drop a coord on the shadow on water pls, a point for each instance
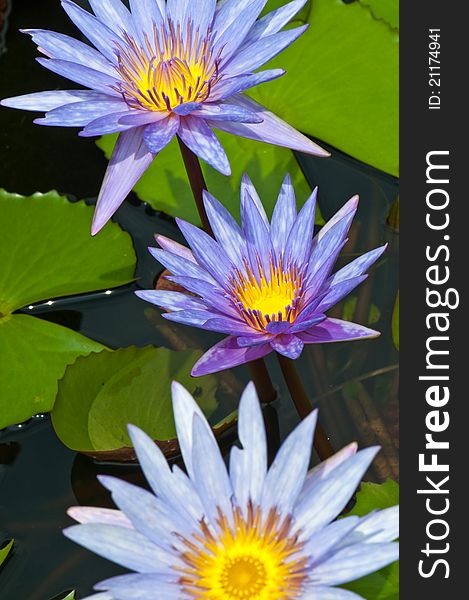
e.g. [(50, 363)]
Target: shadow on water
[(354, 385)]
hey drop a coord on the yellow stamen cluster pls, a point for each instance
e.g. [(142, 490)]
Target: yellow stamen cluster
[(272, 296), (168, 70), (248, 559)]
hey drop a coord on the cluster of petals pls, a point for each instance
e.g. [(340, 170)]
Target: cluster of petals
[(194, 535), (163, 69), (267, 285)]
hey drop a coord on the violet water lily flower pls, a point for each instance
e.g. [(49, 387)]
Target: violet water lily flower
[(163, 69), (252, 533), (266, 285)]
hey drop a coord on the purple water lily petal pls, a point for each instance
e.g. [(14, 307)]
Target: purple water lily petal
[(233, 22), (115, 15), (207, 251), (274, 21), (171, 300), (256, 339), (272, 130), (228, 326), (248, 195), (158, 135), (194, 318), (101, 82), (175, 247), (188, 108), (136, 118), (235, 85), (357, 267), (147, 14), (299, 241), (45, 101), (198, 136), (98, 33), (179, 265), (225, 229), (339, 291), (278, 327), (288, 345), (336, 330), (108, 123), (228, 112), (64, 47), (79, 114), (227, 354), (259, 246), (129, 160), (284, 216), (257, 53)]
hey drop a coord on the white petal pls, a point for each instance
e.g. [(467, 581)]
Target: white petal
[(248, 466), (286, 476)]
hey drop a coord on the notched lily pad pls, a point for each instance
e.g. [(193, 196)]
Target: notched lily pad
[(47, 252), (99, 395)]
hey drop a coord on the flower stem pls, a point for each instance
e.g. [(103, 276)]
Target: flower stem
[(197, 181), (259, 374), (303, 405)]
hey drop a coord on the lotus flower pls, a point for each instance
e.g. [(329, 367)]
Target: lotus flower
[(266, 285), (160, 70), (251, 534)]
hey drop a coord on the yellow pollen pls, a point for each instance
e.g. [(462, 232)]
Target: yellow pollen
[(269, 297), (253, 558), (168, 70)]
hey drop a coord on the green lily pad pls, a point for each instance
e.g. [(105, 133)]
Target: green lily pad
[(165, 185), (341, 85), (131, 385), (384, 584), (34, 355), (47, 252), (395, 323), (375, 496), (5, 551)]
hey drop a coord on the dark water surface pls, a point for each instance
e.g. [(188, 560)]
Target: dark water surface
[(355, 385)]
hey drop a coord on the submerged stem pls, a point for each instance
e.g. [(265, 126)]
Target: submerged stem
[(303, 405), (259, 374)]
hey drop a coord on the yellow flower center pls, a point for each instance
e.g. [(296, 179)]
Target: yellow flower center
[(272, 296), (168, 70), (252, 559)]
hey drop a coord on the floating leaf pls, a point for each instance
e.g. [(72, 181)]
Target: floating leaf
[(384, 584), (47, 252), (70, 596), (131, 385), (375, 496), (165, 185), (395, 323), (5, 551), (341, 84), (34, 355)]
